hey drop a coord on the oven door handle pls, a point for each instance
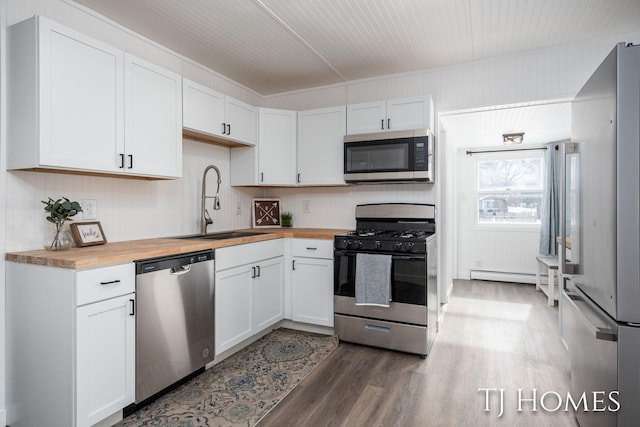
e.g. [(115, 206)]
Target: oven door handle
[(394, 257), (408, 258)]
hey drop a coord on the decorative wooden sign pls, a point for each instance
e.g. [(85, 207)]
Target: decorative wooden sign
[(266, 213)]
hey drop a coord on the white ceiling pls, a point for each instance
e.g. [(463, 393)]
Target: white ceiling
[(274, 46), (541, 123)]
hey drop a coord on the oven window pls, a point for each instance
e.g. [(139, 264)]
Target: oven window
[(408, 277), (377, 157)]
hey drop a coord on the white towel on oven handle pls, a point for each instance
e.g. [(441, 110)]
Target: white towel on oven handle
[(373, 279)]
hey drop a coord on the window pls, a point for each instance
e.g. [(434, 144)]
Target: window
[(509, 190)]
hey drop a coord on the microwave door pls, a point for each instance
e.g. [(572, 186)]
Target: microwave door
[(377, 156)]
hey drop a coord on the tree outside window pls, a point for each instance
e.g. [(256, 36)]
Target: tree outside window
[(509, 190)]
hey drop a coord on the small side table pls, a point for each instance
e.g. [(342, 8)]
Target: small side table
[(550, 290)]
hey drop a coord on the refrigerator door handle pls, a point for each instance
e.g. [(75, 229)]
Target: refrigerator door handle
[(600, 331), (566, 150)]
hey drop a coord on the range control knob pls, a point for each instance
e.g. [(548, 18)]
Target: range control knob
[(409, 246), (349, 244), (359, 244), (378, 244), (397, 246)]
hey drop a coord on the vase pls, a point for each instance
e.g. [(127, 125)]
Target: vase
[(57, 238)]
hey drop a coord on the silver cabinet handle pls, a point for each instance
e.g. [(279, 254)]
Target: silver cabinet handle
[(565, 150), (377, 328), (599, 332)]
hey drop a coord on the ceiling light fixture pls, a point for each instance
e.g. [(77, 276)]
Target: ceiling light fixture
[(512, 138)]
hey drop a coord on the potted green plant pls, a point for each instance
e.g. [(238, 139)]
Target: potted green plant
[(286, 219), (59, 211)]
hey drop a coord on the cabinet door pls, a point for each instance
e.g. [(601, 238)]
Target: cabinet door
[(80, 87), (233, 307), (408, 113), (321, 146), (367, 117), (105, 349), (269, 293), (203, 109), (312, 291), (241, 120), (277, 147), (153, 120)]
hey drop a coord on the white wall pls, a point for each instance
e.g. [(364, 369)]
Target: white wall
[(499, 251)]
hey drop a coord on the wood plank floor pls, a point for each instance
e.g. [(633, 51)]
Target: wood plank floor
[(494, 335)]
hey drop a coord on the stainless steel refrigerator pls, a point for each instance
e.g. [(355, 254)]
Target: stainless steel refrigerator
[(600, 217)]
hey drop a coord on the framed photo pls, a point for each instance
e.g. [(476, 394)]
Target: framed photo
[(88, 233), (265, 213)]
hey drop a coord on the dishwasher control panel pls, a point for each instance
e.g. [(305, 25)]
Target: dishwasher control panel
[(167, 262)]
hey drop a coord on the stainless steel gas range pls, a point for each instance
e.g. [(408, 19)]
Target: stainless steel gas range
[(385, 279)]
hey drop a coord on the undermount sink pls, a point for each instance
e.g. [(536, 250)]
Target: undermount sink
[(222, 235)]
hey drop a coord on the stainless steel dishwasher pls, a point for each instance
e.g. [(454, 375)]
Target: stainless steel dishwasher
[(174, 319)]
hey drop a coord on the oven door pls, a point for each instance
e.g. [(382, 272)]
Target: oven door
[(408, 277)]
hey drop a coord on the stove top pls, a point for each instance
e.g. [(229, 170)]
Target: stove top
[(390, 227)]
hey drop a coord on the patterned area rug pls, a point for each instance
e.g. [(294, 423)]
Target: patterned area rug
[(240, 390)]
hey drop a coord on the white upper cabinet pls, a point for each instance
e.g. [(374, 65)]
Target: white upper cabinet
[(273, 160), (277, 147), (66, 106), (202, 109), (65, 99), (390, 115), (321, 146), (153, 120), (367, 117), (241, 120), (210, 113)]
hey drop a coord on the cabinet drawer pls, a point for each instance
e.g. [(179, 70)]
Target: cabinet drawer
[(107, 282), (248, 253), (313, 248)]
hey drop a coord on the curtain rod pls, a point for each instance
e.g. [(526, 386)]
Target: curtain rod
[(469, 152)]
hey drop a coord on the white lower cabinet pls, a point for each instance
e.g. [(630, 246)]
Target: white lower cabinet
[(249, 293), (105, 360), (70, 343), (312, 281), (233, 307)]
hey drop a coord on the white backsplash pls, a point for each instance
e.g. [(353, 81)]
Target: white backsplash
[(334, 207), (130, 208)]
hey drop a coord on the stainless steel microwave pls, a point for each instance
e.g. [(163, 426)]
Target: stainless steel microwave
[(396, 156)]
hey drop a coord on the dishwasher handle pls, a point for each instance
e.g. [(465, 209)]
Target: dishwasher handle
[(181, 269), (176, 264)]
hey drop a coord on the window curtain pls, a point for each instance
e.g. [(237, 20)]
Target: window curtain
[(550, 213)]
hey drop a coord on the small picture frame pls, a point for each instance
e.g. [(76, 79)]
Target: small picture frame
[(88, 233), (265, 213)]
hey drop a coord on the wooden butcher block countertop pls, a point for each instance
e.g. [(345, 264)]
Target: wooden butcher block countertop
[(133, 250)]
